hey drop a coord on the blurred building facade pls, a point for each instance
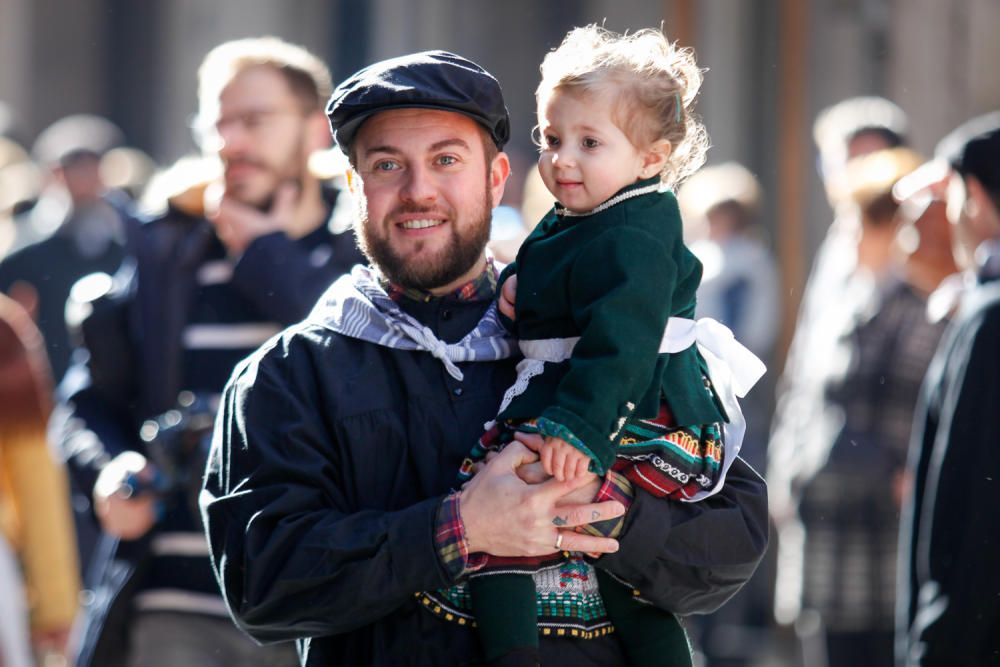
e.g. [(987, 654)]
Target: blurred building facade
[(773, 66)]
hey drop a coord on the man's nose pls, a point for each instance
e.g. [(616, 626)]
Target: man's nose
[(419, 185)]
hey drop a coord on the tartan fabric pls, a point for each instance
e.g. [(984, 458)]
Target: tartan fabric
[(616, 486), (449, 538)]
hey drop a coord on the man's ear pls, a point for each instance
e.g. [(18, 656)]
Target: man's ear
[(353, 181), (654, 158), (318, 135), (499, 173), (979, 207)]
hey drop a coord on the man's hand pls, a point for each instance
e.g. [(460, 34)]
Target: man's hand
[(238, 225), (508, 295), (504, 516), (122, 514), (52, 644)]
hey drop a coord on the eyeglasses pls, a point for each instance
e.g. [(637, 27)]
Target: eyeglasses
[(253, 122)]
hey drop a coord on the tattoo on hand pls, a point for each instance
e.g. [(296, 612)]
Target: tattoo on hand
[(559, 521)]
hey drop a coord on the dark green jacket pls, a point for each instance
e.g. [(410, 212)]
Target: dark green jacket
[(613, 278)]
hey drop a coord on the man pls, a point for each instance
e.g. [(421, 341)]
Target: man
[(75, 229), (949, 549), (327, 497), (202, 294), (807, 423)]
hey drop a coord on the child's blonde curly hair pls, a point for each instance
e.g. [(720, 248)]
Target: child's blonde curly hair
[(655, 83)]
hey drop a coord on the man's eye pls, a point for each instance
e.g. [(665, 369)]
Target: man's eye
[(385, 165), (447, 160), (590, 142)]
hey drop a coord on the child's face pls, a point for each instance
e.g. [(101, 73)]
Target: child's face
[(585, 157)]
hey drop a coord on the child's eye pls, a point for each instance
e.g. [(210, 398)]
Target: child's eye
[(590, 142), (551, 140)]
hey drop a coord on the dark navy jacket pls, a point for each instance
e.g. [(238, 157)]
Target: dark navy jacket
[(330, 460)]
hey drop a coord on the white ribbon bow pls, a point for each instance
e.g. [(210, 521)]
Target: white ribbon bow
[(745, 368)]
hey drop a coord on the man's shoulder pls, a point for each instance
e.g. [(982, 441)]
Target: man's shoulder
[(170, 218), (980, 307), (41, 249), (305, 347)]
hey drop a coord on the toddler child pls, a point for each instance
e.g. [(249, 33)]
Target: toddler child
[(617, 376)]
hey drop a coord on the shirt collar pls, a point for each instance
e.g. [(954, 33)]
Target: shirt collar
[(639, 188), (480, 288)]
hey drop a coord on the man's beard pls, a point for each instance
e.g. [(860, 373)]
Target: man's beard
[(448, 264), (291, 170)]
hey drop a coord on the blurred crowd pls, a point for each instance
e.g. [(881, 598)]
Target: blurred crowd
[(129, 291)]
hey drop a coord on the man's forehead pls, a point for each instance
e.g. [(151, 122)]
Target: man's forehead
[(257, 86), (416, 129)]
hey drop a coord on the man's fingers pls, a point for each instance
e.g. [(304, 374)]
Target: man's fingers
[(570, 516), (589, 544), (556, 489), (532, 441), (515, 454), (285, 200)]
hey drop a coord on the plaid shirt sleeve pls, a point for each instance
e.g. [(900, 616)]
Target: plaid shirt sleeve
[(615, 487), (449, 538)]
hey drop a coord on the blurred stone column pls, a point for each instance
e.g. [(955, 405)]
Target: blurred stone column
[(942, 64), (52, 61)]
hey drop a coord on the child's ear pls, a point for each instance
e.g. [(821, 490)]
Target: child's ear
[(655, 157)]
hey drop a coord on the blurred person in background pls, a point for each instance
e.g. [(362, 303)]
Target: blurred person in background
[(850, 128), (74, 229), (844, 478), (127, 170), (739, 287), (20, 183), (949, 545), (221, 268), (36, 529)]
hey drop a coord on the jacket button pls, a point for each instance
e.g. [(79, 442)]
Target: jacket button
[(445, 315), (457, 391), (708, 383)]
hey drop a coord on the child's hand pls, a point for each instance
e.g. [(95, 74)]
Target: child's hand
[(508, 295), (562, 460)]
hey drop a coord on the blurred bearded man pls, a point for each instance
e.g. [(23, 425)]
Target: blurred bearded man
[(228, 265)]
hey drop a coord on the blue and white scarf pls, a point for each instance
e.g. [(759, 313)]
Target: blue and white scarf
[(357, 306)]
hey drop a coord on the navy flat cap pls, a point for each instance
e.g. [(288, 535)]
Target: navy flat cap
[(427, 80)]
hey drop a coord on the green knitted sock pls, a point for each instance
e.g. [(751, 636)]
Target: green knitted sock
[(650, 636), (506, 612)]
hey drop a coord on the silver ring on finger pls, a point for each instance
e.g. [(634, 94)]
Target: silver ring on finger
[(559, 537)]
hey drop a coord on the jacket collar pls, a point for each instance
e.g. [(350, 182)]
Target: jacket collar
[(637, 189)]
